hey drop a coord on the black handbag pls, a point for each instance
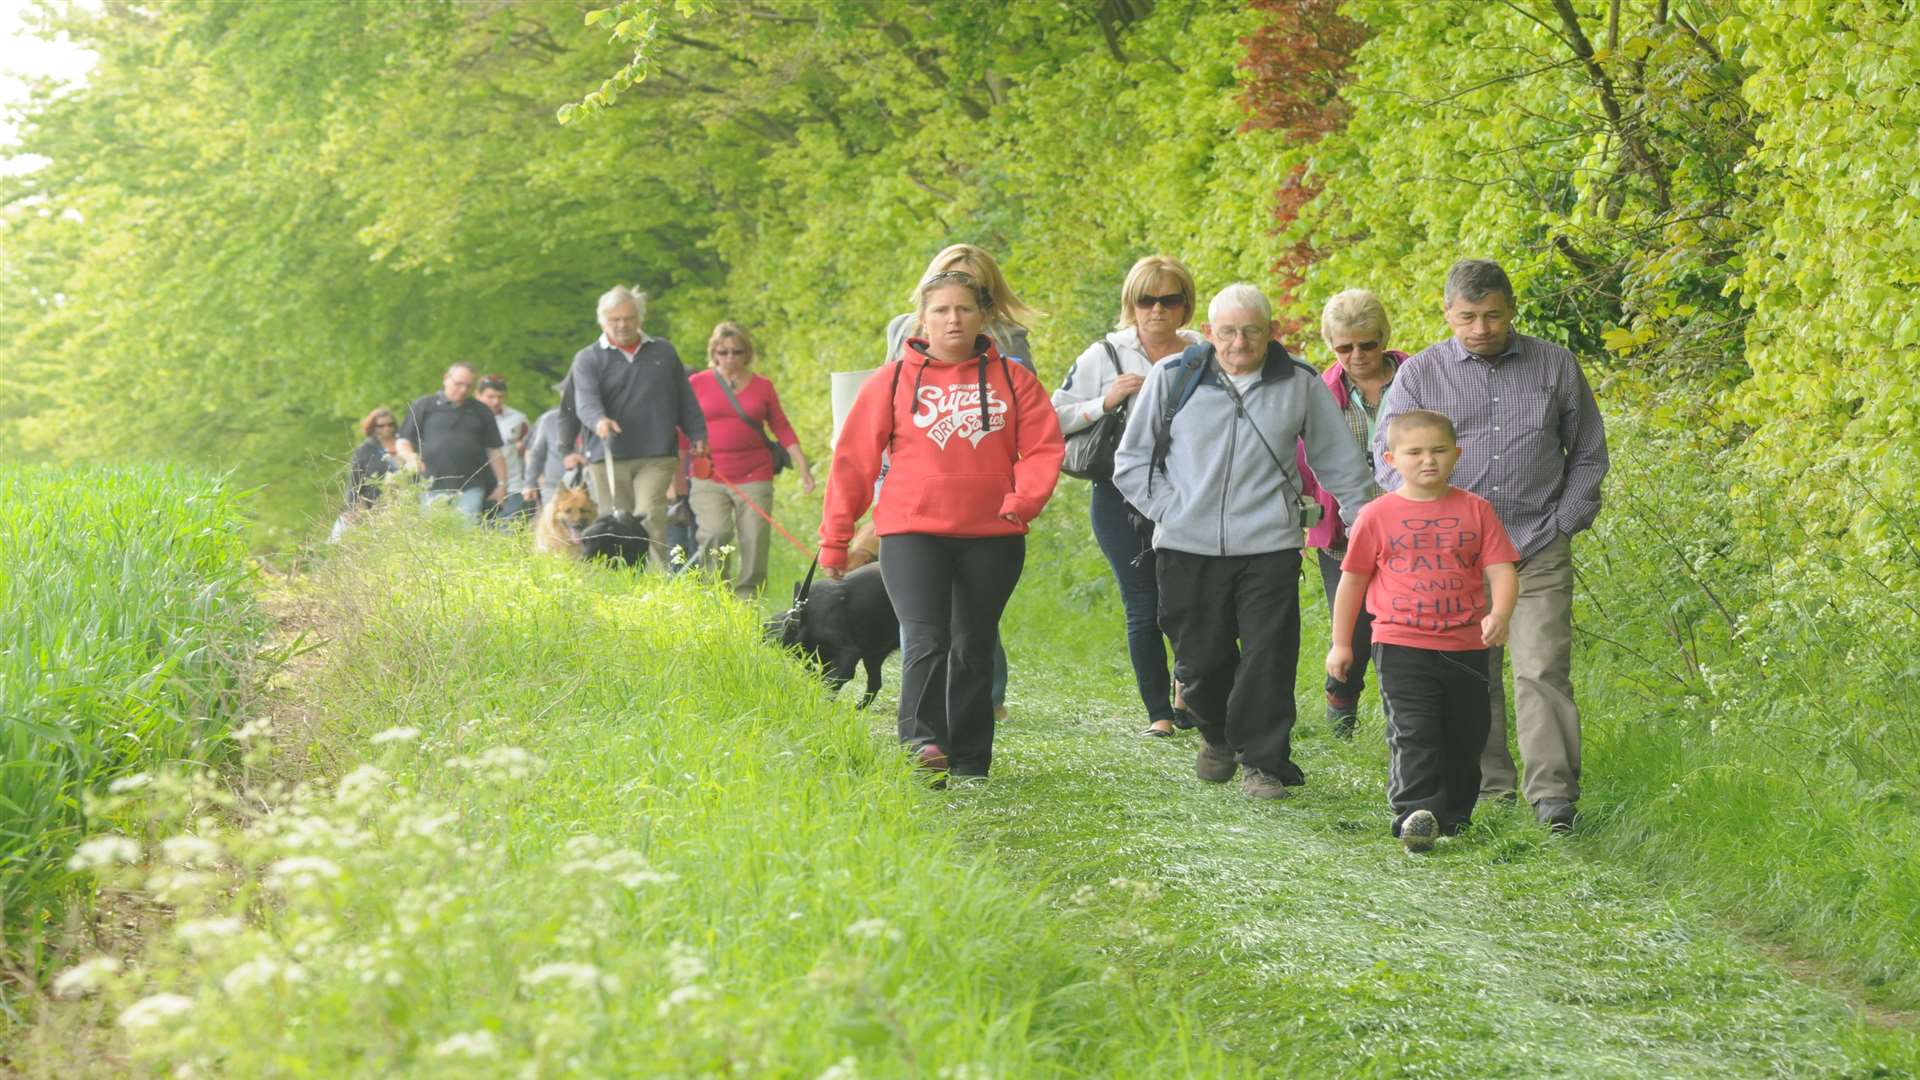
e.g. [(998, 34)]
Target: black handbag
[(782, 461), (1090, 450)]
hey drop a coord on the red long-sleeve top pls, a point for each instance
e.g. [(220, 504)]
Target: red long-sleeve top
[(955, 467)]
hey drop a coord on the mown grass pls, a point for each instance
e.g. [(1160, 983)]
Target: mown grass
[(127, 623), (574, 821)]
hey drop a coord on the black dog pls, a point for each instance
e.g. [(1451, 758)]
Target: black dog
[(838, 625), (616, 537)]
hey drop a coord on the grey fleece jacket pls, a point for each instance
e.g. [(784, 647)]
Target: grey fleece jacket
[(1222, 492)]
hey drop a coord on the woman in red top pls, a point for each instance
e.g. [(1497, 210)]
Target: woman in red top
[(974, 450), (741, 455)]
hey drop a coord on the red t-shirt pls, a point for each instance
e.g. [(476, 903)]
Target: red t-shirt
[(1427, 560), (739, 454)]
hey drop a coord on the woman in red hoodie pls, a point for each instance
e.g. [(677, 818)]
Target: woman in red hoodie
[(975, 451)]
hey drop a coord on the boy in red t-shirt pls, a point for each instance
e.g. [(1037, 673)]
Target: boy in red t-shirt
[(1423, 557)]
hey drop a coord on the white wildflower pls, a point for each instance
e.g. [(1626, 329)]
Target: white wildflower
[(501, 763), (129, 783), (469, 1044), (426, 826), (300, 872), (399, 735), (847, 1068), (258, 974), (684, 965), (104, 851), (966, 1070), (153, 1012), (190, 850), (873, 930), (683, 996), (629, 868), (201, 934), (577, 976), (85, 977), (261, 728), (360, 785), (178, 886), (584, 846)]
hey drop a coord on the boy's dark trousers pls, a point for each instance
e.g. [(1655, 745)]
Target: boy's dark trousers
[(1436, 727)]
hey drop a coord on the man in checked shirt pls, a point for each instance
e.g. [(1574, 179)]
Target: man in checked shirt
[(1532, 444)]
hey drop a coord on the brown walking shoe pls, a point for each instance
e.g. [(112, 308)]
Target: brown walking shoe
[(1262, 785), (1214, 764)]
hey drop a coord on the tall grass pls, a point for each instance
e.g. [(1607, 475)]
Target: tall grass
[(590, 825), (1752, 722), (126, 622)]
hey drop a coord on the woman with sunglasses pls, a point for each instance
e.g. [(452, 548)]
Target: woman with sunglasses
[(373, 459), (1354, 326), (974, 455), (1156, 302), (744, 419)]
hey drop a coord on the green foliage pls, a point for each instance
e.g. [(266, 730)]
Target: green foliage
[(127, 630)]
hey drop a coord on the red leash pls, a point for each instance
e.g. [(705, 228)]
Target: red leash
[(703, 469)]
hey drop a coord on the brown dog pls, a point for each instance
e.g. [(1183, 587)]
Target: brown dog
[(561, 521)]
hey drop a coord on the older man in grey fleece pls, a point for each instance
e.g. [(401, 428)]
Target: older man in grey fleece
[(1531, 443), (631, 391), (1208, 455)]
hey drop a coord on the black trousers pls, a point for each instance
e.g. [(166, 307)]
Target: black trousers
[(1347, 691), (949, 592), (1436, 727), (1235, 625)]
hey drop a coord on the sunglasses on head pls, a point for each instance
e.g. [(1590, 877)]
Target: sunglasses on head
[(1168, 302), (1363, 346)]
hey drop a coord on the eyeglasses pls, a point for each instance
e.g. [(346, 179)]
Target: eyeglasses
[(1169, 301), (1363, 346), (732, 352), (385, 423), (1249, 333)]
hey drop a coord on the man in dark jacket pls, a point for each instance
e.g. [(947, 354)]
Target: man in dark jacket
[(631, 392), (455, 442)]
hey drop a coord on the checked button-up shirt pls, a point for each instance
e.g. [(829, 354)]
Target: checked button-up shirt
[(1531, 439)]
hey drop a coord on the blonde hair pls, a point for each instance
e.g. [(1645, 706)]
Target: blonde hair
[(1142, 276), (1002, 308), (1355, 311), (729, 329)]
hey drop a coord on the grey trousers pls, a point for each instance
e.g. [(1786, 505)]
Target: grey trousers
[(639, 487), (1546, 720)]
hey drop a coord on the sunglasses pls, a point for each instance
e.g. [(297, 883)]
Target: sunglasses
[(385, 423), (731, 352), (1168, 302), (1363, 346)]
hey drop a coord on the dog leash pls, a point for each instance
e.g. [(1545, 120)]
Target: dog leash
[(714, 474)]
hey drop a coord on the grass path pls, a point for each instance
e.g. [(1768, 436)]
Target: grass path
[(1305, 940)]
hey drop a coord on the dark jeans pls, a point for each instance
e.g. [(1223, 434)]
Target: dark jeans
[(1348, 692), (1235, 625), (1134, 568), (1436, 728), (949, 592)]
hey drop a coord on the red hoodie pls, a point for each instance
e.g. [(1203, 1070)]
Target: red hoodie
[(948, 475)]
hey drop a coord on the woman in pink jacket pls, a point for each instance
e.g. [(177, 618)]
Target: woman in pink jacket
[(1354, 326)]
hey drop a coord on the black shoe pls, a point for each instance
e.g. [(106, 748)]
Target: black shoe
[(1341, 719), (1556, 814), (1156, 733)]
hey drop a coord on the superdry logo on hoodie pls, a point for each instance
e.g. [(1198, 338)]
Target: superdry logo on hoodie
[(955, 410)]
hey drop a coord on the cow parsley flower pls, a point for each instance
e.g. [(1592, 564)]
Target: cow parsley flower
[(301, 872), (398, 735), (202, 934), (85, 977), (103, 851), (873, 930), (577, 976), (190, 850), (154, 1012), (468, 1044)]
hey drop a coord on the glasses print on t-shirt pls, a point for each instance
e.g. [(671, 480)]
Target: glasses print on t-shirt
[(944, 412), (1438, 559)]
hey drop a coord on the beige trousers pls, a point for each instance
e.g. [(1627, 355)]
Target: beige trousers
[(1547, 722), (639, 487), (720, 516)]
